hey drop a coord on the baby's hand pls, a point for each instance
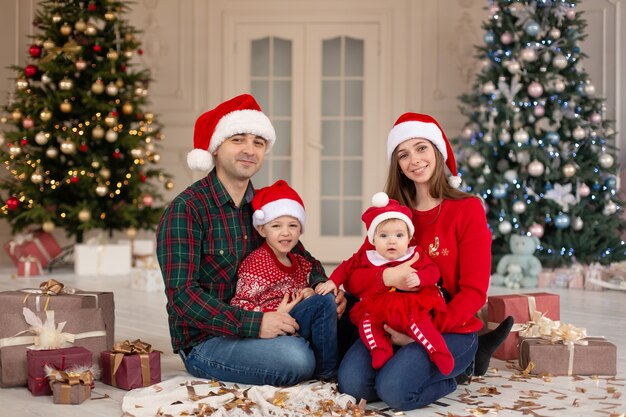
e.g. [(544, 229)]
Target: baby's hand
[(306, 292), (325, 287), (288, 303), (412, 280)]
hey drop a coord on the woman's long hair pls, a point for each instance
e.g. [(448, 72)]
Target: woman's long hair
[(402, 189)]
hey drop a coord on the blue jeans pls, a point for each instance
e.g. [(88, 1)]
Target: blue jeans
[(281, 361), (317, 318), (409, 380)]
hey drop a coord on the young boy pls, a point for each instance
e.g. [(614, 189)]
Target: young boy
[(273, 278), (389, 230)]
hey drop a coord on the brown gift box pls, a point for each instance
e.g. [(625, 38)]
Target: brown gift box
[(598, 357), (59, 359), (13, 301), (70, 394), (135, 371), (519, 306), (13, 369)]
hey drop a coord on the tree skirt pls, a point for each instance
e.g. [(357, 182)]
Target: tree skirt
[(186, 395)]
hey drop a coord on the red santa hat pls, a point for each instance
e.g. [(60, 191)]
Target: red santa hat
[(279, 199), (383, 208), (238, 115), (415, 125)]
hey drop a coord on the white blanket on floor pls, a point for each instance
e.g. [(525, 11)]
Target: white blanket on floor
[(186, 395)]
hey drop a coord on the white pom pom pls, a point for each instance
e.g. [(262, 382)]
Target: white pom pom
[(200, 160), (259, 215), (380, 199), (454, 181)]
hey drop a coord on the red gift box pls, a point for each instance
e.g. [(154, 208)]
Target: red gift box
[(521, 307), (40, 245), (131, 365), (59, 359), (29, 266)]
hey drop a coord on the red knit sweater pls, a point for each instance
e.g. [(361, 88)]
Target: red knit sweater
[(456, 237)]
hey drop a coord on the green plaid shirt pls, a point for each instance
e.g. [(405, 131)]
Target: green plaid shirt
[(201, 240)]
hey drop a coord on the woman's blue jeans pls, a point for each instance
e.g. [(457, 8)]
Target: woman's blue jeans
[(409, 380), (281, 361)]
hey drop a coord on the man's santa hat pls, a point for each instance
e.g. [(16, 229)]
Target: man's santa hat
[(415, 125), (279, 199), (383, 208), (239, 115)]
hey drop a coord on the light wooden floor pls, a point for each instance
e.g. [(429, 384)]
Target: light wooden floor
[(142, 315)]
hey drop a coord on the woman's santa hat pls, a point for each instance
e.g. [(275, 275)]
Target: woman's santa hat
[(383, 208), (239, 115), (415, 125), (279, 199)]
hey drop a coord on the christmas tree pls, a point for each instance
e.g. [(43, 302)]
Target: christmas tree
[(80, 151), (537, 146)]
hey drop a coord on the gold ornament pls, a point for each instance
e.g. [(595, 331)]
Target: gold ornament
[(68, 147), (111, 136), (97, 132), (81, 64), (127, 108), (112, 55), (131, 232), (97, 87), (110, 120), (111, 89), (569, 170), (169, 185), (45, 115), (48, 226), (21, 84), (15, 150), (45, 78), (109, 15), (129, 37), (36, 177), (42, 138), (66, 84), (119, 83), (80, 25), (91, 29), (56, 18), (84, 215), (149, 116), (66, 106), (49, 44), (52, 153), (102, 190), (16, 115), (155, 158), (105, 173), (136, 152), (128, 53), (66, 29), (95, 164), (3, 119)]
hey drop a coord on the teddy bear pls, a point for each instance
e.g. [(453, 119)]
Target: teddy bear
[(520, 268)]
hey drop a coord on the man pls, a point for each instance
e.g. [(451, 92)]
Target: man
[(202, 238)]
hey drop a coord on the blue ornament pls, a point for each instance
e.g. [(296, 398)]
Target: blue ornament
[(562, 221), (595, 186), (580, 89), (489, 38), (552, 137), (498, 191), (610, 182), (531, 28)]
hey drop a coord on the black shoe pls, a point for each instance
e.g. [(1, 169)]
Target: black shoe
[(488, 343), (462, 379)]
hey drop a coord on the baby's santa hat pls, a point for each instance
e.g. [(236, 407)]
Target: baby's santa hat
[(239, 115), (383, 208), (415, 125), (279, 199)]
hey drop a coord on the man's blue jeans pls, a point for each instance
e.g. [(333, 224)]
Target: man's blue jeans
[(281, 361), (409, 380)]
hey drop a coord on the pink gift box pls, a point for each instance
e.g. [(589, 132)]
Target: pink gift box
[(59, 359), (29, 267), (519, 306), (135, 371), (39, 244)]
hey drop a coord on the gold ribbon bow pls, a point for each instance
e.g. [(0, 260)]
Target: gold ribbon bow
[(51, 287), (538, 326), (70, 49), (569, 335), (121, 349)]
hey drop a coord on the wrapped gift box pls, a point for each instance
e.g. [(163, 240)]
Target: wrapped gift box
[(59, 359), (40, 245), (134, 370), (570, 277), (147, 279), (40, 299), (29, 266), (86, 324), (520, 306), (70, 394), (598, 357), (110, 259)]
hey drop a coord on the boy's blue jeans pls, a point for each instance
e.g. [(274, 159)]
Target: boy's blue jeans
[(281, 361)]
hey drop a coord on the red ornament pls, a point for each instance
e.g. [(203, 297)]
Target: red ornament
[(74, 179), (97, 48), (83, 147), (92, 7), (12, 203), (123, 67), (24, 141), (34, 51), (140, 51), (147, 200), (114, 113), (117, 154), (30, 71), (142, 178)]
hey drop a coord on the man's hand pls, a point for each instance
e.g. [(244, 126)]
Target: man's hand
[(342, 302), (395, 276), (412, 280), (397, 338), (277, 324), (288, 303)]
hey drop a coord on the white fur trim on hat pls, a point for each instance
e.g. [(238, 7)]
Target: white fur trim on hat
[(200, 160), (241, 122), (386, 216), (454, 181), (277, 208), (414, 129), (380, 199)]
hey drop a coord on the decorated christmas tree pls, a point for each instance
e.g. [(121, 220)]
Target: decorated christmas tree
[(79, 147), (537, 146)]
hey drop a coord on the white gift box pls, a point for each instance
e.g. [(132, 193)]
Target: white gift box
[(109, 259), (141, 247), (147, 279)]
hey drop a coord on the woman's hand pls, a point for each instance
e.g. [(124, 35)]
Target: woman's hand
[(395, 276), (397, 338)]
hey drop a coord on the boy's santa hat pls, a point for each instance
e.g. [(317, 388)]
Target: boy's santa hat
[(239, 115), (383, 208), (415, 125), (279, 199)]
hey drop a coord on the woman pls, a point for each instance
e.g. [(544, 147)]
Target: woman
[(452, 227)]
